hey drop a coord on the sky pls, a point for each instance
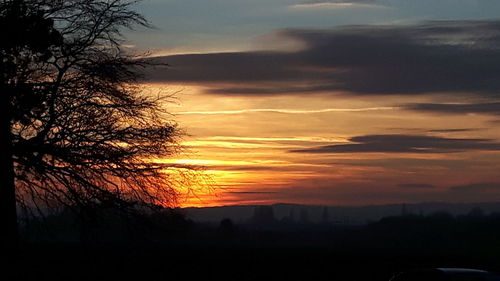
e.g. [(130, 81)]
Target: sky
[(347, 102)]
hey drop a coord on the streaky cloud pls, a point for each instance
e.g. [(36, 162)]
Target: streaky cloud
[(405, 144), (252, 192), (457, 108), (476, 187), (336, 5), (285, 111), (416, 185), (453, 130), (427, 58), (273, 139)]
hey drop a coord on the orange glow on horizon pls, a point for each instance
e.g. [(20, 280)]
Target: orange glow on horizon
[(244, 148)]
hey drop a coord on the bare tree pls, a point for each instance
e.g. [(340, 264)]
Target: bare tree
[(75, 129)]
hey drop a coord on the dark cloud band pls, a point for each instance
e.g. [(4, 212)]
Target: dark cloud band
[(435, 57), (405, 144), (485, 108), (417, 185)]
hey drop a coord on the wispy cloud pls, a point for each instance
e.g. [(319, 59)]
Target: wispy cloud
[(461, 130), (273, 139), (335, 6), (252, 192), (286, 111), (476, 191), (405, 144), (338, 4), (432, 57), (457, 108), (264, 142), (416, 185), (476, 187)]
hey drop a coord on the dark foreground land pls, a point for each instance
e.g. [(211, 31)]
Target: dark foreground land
[(270, 263), (271, 252)]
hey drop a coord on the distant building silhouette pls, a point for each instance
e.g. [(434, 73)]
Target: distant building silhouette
[(404, 211), (325, 217), (304, 215), (291, 215), (475, 213), (263, 215)]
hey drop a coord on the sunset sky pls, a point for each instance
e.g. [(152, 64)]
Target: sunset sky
[(332, 102)]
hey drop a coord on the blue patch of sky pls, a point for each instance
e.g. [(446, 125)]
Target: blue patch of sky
[(199, 23)]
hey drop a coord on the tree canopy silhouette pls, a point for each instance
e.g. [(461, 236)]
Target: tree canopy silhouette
[(76, 129)]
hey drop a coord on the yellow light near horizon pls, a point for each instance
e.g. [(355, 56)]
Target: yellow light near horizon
[(226, 144), (245, 145), (213, 162)]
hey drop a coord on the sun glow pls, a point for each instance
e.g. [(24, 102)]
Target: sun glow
[(246, 147)]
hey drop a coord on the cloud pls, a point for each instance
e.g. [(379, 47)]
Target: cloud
[(338, 1), (339, 4), (452, 130), (252, 192), (433, 57), (361, 194), (476, 187), (247, 168), (286, 111), (405, 144), (416, 185), (479, 108), (482, 191)]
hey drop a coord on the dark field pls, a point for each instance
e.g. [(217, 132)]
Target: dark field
[(218, 263), (266, 252)]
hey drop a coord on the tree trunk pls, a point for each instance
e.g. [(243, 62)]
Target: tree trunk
[(8, 212)]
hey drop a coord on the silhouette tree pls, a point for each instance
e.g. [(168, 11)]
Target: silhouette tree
[(75, 128), (226, 229)]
